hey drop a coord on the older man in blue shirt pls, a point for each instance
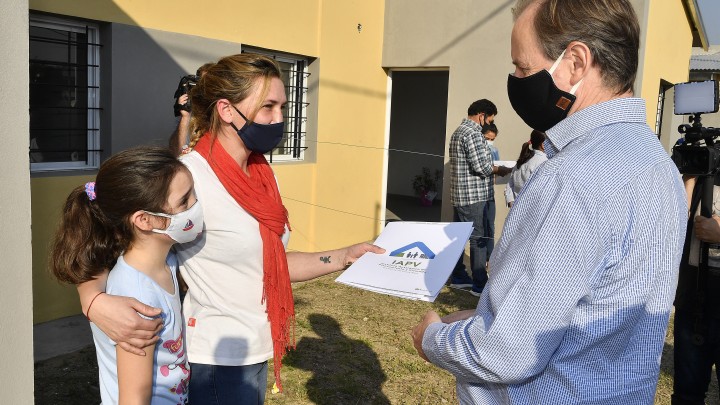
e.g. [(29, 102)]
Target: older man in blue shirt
[(584, 274)]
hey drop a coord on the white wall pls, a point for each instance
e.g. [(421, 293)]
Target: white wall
[(16, 367)]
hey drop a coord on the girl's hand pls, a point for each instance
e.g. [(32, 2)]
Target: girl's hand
[(118, 318)]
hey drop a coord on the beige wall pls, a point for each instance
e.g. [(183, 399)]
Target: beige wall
[(334, 198), (16, 367), (473, 41)]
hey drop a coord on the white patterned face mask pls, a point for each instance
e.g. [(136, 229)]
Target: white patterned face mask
[(184, 226)]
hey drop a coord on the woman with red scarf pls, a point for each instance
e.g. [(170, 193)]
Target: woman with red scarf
[(239, 305)]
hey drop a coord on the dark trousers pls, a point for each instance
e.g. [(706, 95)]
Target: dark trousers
[(478, 242), (228, 385), (694, 359), (489, 219)]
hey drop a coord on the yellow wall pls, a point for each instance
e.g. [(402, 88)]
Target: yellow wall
[(668, 43), (287, 25), (352, 111), (344, 186), (332, 202), (51, 299)]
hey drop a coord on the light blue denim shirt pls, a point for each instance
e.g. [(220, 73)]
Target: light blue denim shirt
[(583, 277)]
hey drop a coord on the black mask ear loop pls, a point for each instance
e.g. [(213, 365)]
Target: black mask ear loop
[(247, 121)]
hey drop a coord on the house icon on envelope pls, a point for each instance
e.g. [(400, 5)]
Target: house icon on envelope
[(415, 250)]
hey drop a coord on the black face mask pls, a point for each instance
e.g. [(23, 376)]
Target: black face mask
[(259, 138), (538, 101)]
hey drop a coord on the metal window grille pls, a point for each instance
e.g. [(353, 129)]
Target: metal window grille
[(64, 95)]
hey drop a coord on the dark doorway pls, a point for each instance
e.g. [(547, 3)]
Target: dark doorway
[(418, 114)]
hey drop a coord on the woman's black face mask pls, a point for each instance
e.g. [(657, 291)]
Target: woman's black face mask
[(259, 138)]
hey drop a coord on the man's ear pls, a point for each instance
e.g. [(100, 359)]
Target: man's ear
[(142, 220), (582, 60), (224, 110)]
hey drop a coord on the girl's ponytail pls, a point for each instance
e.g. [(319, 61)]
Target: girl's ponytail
[(84, 245), (536, 140), (525, 154)]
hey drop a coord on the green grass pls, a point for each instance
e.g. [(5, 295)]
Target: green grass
[(353, 347)]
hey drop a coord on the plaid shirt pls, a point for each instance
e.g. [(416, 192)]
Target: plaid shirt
[(471, 166)]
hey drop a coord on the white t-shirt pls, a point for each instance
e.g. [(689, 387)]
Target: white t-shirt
[(225, 317), (171, 372)]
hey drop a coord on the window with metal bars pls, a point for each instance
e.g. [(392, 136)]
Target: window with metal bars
[(294, 71), (64, 95)]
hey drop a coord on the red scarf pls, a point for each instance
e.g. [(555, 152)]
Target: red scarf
[(259, 196)]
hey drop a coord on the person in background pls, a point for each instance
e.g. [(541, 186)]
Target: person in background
[(583, 275), (696, 330), (141, 203), (471, 187), (532, 155), (490, 132), (239, 306), (181, 136)]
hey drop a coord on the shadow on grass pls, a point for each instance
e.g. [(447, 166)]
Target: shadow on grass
[(344, 370), (68, 379), (450, 299)]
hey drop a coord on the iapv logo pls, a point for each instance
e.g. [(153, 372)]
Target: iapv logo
[(189, 225), (414, 255)]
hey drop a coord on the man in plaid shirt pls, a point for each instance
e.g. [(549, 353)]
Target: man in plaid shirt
[(471, 187)]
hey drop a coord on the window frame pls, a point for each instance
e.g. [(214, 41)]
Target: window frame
[(662, 93), (93, 93)]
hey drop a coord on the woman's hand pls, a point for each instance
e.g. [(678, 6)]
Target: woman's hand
[(307, 266), (352, 253), (118, 318)]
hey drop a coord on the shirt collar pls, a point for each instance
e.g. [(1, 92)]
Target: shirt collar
[(625, 109), (472, 124)]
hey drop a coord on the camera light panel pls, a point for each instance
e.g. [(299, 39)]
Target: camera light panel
[(696, 97)]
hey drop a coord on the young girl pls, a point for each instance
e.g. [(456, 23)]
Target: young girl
[(141, 203)]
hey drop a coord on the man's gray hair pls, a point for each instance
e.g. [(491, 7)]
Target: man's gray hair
[(608, 27)]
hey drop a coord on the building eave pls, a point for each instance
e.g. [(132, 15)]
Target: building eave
[(695, 16)]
